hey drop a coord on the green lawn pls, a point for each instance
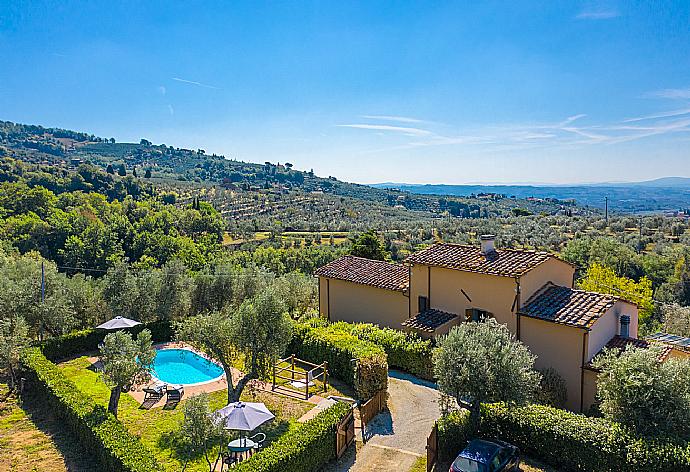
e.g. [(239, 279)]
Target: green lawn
[(155, 426)]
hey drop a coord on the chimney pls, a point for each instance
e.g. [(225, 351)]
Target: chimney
[(487, 241), (625, 326)]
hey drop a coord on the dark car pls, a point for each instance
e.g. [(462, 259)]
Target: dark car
[(487, 456)]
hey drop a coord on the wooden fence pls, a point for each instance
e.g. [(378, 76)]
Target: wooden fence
[(372, 407), (432, 448), (345, 434), (309, 375)]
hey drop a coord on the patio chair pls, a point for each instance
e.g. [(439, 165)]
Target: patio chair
[(174, 392), (154, 391), (259, 439)]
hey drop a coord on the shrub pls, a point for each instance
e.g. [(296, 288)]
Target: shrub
[(405, 351), (566, 440), (360, 364), (97, 430), (552, 389), (79, 342), (305, 449)]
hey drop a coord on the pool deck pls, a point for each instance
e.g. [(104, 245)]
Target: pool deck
[(213, 386)]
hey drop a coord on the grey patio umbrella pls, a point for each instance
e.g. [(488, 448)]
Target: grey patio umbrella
[(243, 416), (118, 323)]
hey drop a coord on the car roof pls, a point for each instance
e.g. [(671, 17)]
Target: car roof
[(480, 450)]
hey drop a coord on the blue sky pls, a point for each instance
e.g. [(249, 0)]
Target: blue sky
[(439, 92)]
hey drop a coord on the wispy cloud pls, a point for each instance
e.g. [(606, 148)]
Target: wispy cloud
[(395, 129), (194, 82), (162, 90), (597, 14), (399, 119), (171, 110), (656, 116), (674, 94)]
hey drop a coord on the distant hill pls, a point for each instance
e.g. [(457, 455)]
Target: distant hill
[(668, 193)]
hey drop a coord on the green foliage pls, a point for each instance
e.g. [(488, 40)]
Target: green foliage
[(305, 449), (604, 251), (405, 351), (199, 433), (565, 440), (14, 336), (644, 394), (369, 245), (483, 362), (361, 364), (97, 430), (599, 278), (552, 389), (676, 319)]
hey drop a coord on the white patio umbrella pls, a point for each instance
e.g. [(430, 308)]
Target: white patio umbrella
[(118, 323), (243, 416)]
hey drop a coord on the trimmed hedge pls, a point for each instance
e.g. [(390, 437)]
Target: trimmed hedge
[(361, 364), (405, 351), (79, 342), (97, 430), (566, 440), (305, 449)]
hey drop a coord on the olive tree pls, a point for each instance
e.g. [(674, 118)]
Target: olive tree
[(482, 362), (258, 332), (126, 362), (14, 336), (199, 431), (647, 395)]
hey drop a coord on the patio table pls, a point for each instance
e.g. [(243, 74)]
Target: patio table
[(241, 448)]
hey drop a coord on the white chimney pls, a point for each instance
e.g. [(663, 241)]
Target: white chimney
[(487, 241)]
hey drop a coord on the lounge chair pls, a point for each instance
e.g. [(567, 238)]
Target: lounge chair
[(175, 392), (154, 391)]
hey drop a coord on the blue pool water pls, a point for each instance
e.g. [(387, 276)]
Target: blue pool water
[(181, 366)]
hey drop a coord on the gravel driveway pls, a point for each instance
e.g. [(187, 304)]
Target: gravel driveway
[(396, 437)]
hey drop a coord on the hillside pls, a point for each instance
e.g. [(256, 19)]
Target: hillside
[(257, 194)]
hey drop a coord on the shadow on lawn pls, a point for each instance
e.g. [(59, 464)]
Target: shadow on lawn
[(75, 456)]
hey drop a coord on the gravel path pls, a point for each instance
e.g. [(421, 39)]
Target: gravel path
[(396, 437)]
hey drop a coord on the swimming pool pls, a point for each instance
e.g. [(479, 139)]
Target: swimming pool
[(184, 367)]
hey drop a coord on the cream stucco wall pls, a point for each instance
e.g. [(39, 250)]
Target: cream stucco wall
[(559, 347), (608, 325), (552, 270), (491, 293), (357, 303), (589, 389)]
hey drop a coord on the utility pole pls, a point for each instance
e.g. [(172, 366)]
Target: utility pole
[(606, 209), (43, 298)]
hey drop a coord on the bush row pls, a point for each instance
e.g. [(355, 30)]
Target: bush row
[(566, 440), (305, 449), (360, 364), (79, 342), (405, 351), (97, 430)]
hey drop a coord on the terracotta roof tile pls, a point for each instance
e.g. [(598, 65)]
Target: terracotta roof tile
[(621, 343), (359, 270), (505, 262), (567, 306), (429, 320)]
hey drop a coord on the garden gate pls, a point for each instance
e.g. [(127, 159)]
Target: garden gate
[(432, 448), (345, 434)]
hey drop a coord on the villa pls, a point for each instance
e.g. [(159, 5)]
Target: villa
[(446, 284)]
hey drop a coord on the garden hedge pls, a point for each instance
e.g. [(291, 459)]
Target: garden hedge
[(566, 440), (98, 431), (79, 342), (305, 449), (405, 351), (361, 364)]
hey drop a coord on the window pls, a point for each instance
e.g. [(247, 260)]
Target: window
[(423, 304), (474, 314), (495, 463)]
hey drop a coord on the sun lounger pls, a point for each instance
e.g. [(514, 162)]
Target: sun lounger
[(175, 392), (156, 391)]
